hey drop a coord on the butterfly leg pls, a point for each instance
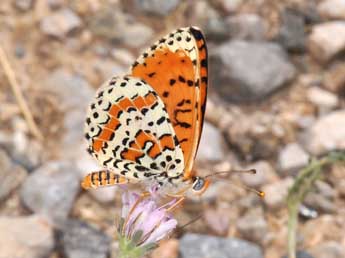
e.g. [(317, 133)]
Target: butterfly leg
[(103, 178)]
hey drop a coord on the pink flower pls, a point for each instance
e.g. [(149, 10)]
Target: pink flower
[(143, 223)]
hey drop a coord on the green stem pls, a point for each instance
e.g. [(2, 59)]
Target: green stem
[(302, 185)]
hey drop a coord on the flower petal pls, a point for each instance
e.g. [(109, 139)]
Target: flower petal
[(161, 231)]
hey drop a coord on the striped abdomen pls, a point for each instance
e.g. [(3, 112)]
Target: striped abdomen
[(102, 178)]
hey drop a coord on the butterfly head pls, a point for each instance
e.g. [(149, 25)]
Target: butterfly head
[(200, 184)]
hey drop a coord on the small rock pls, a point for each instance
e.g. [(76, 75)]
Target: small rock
[(332, 9), (249, 70), (60, 23), (264, 174), (322, 98), (326, 134), (166, 249), (291, 34), (80, 240), (216, 28), (25, 237), (156, 7), (327, 40), (50, 190), (23, 5), (292, 157), (211, 144), (301, 254), (247, 27), (123, 56), (330, 249), (217, 220), (320, 202), (252, 226), (11, 175), (334, 79), (196, 246), (325, 189), (120, 27), (229, 6), (55, 4), (276, 193), (73, 91)]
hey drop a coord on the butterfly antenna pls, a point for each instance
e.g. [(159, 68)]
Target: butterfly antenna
[(245, 171)]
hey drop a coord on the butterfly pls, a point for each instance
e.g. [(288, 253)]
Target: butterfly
[(145, 126)]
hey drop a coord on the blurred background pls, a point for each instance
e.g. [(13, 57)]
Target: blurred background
[(276, 99)]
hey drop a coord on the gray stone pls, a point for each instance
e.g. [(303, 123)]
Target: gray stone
[(11, 175), (320, 202), (276, 193), (252, 226), (291, 32), (123, 56), (332, 9), (292, 157), (120, 27), (330, 249), (326, 134), (196, 246), (247, 27), (50, 190), (244, 71), (25, 237), (156, 7), (327, 40), (80, 240), (60, 23), (301, 254), (72, 90), (229, 6), (211, 146)]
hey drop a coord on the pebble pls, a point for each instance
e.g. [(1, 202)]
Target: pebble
[(81, 240), (246, 71), (334, 79), (301, 254), (11, 175), (322, 98), (25, 237), (276, 193), (156, 7), (332, 9), (211, 147), (217, 220), (230, 6), (292, 157), (327, 40), (123, 56), (264, 174), (326, 134), (120, 27), (61, 23), (247, 27), (329, 249), (23, 5), (341, 187), (319, 202), (252, 226), (50, 190), (196, 246), (291, 33)]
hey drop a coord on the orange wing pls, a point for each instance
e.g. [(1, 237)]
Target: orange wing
[(176, 67)]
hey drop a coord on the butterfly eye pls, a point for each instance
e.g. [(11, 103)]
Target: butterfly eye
[(200, 185)]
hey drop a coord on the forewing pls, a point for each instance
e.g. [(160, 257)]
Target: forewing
[(176, 68), (129, 131)]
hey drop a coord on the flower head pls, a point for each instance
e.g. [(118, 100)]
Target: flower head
[(143, 224)]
